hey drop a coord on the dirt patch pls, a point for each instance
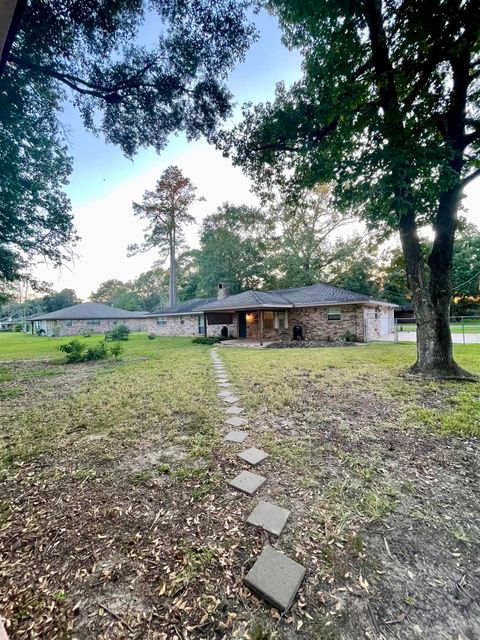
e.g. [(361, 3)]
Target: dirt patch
[(34, 382), (112, 538), (305, 344), (385, 516)]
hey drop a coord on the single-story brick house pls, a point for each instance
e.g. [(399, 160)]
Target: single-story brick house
[(87, 316), (323, 312)]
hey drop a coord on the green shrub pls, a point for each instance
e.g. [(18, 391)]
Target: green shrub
[(18, 328), (77, 351), (348, 336), (116, 350), (120, 332), (97, 351), (74, 349), (205, 340), (86, 333), (152, 336)]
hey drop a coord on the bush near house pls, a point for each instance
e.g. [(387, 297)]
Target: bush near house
[(77, 351), (121, 332), (205, 340)]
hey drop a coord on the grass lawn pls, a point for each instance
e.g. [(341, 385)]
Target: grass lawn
[(116, 520)]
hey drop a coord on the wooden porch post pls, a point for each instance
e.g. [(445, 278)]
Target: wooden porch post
[(205, 324), (261, 326)]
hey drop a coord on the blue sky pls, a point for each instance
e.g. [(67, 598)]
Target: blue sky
[(104, 182)]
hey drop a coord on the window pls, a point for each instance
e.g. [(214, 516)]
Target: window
[(201, 324), (93, 321), (115, 322), (161, 320), (334, 313), (280, 320), (67, 323), (268, 319)]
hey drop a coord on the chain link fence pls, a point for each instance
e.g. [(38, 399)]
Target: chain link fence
[(465, 330)]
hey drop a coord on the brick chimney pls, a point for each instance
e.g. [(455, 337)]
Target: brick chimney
[(222, 291)]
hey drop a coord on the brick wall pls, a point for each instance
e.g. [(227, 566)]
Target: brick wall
[(315, 324), (64, 328), (179, 326), (189, 327)]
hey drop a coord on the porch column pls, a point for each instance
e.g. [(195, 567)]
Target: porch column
[(261, 326), (205, 320)]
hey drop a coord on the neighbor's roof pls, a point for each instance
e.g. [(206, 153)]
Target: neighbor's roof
[(182, 308), (315, 294), (88, 311)]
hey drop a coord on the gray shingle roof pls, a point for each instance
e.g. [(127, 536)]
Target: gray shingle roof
[(321, 293), (287, 298), (189, 306), (245, 299), (89, 311)]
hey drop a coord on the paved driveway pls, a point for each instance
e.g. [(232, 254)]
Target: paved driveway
[(411, 336)]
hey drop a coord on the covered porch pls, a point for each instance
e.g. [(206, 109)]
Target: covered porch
[(258, 325)]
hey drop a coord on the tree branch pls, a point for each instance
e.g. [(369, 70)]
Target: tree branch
[(105, 92), (470, 177)]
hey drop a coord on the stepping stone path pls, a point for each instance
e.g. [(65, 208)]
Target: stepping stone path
[(236, 436), (247, 482), (269, 516), (253, 456), (235, 421), (230, 399), (274, 576), (234, 410)]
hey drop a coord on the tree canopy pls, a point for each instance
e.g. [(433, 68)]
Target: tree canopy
[(134, 95), (144, 293), (388, 107)]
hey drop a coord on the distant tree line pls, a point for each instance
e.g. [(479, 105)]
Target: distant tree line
[(16, 306), (145, 293)]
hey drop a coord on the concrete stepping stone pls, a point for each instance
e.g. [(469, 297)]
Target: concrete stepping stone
[(235, 436), (234, 410), (235, 421), (224, 385), (224, 394), (269, 516), (276, 577), (247, 482), (253, 455), (230, 399)]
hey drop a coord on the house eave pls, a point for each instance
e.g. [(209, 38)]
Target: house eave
[(159, 314), (300, 305), (250, 307), (336, 303)]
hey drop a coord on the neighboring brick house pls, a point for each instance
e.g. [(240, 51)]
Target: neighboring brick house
[(87, 316), (321, 311)]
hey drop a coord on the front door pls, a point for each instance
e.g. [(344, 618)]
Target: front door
[(242, 324)]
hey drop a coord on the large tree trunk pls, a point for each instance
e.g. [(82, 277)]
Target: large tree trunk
[(431, 296)]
